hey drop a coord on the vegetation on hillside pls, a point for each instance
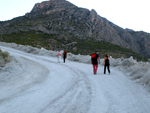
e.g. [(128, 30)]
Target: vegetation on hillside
[(72, 44)]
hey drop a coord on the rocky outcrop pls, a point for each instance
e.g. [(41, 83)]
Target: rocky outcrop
[(143, 39), (48, 7)]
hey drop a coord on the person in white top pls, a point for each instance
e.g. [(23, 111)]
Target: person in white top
[(59, 56)]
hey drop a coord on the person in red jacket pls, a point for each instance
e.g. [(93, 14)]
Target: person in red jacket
[(64, 55), (95, 60)]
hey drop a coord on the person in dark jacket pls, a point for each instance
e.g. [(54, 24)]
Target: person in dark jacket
[(64, 55), (95, 60), (106, 63)]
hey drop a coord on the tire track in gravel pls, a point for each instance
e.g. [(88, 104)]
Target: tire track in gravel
[(77, 95), (83, 98)]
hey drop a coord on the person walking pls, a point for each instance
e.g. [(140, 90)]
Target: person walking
[(64, 55), (95, 60), (106, 63), (59, 56)]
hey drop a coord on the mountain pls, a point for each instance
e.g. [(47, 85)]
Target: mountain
[(67, 23)]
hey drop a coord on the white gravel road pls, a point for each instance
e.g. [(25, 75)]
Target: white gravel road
[(38, 84)]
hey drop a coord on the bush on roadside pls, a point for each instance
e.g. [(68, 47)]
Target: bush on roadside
[(4, 57)]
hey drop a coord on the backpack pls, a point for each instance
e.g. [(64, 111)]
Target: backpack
[(59, 53), (93, 55)]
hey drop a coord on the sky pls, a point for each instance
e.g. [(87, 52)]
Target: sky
[(132, 14)]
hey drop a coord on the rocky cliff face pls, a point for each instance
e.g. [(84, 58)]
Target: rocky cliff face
[(63, 19), (143, 39)]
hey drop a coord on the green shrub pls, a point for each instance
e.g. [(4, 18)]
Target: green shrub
[(7, 59), (4, 56)]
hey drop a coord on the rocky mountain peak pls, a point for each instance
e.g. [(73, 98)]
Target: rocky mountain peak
[(63, 19), (46, 7)]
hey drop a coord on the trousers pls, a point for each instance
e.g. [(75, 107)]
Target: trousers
[(95, 67), (107, 68)]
